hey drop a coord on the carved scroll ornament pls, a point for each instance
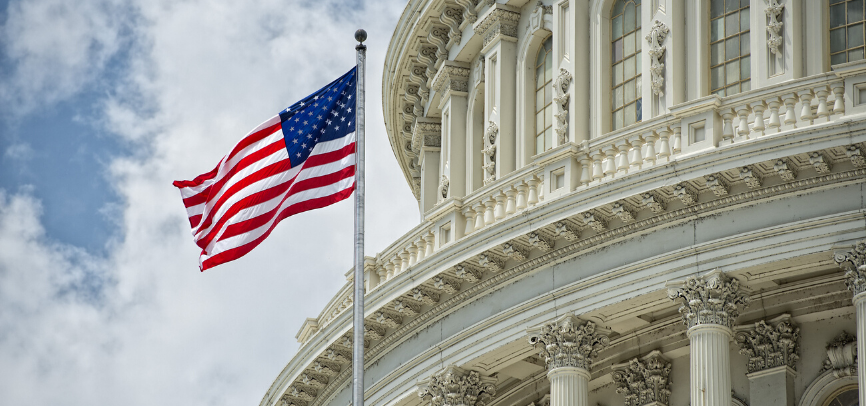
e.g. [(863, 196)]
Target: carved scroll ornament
[(657, 34)]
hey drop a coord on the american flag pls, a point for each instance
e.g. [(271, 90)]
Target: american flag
[(301, 159)]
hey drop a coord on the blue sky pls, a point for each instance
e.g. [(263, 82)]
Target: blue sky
[(105, 102)]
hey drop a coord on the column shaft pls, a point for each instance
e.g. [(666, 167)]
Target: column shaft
[(569, 386), (710, 365), (860, 306)]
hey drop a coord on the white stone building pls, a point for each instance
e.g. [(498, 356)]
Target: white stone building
[(623, 203)]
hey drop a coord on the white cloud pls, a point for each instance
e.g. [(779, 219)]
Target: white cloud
[(143, 326)]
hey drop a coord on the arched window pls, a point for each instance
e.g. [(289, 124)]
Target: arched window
[(625, 54), (730, 58), (846, 31), (544, 97), (847, 396)]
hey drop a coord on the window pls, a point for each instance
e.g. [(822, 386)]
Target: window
[(846, 31), (544, 97), (730, 58), (845, 397), (625, 59)]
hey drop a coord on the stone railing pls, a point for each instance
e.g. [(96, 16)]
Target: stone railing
[(657, 141)]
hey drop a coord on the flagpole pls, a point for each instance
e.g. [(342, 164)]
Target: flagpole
[(358, 301)]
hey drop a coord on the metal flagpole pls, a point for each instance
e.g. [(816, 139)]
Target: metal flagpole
[(358, 301)]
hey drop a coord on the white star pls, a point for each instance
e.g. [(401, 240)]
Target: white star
[(309, 136), (300, 131), (315, 127), (342, 118), (302, 103), (316, 105), (292, 129), (305, 122), (350, 110), (334, 112), (328, 121), (299, 155), (350, 96), (316, 98), (337, 128), (323, 131), (311, 113), (319, 116), (303, 145), (297, 120), (330, 98), (295, 140)]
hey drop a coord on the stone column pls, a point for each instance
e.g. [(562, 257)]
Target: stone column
[(498, 30), (854, 264), (452, 83), (427, 138), (568, 346), (710, 305), (455, 386), (773, 349)]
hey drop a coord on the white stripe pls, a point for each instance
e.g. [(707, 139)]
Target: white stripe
[(264, 207), (241, 239), (212, 199), (195, 210)]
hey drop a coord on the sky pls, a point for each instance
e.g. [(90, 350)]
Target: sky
[(103, 103)]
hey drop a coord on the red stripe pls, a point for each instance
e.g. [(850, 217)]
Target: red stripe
[(198, 198), (198, 179), (253, 138), (306, 184), (256, 198), (312, 204), (193, 221), (328, 157), (248, 201)]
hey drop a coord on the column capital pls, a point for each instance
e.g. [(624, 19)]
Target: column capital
[(854, 264), (454, 386), (500, 21), (713, 298), (644, 381), (451, 79), (568, 342), (770, 345)]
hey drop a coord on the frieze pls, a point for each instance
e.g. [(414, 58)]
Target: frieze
[(568, 342)]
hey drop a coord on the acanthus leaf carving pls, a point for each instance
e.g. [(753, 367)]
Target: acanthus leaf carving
[(561, 85), (774, 11), (643, 381), (842, 355), (714, 298), (489, 152), (854, 264), (497, 22), (565, 230), (568, 342), (540, 242), (770, 345), (657, 34), (515, 252), (686, 193), (455, 386), (468, 273), (444, 183)]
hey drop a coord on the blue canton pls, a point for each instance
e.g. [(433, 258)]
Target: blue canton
[(325, 115)]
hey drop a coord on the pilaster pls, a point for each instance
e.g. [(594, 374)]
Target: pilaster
[(452, 84), (710, 305), (773, 349), (498, 29), (427, 134), (777, 28), (455, 386)]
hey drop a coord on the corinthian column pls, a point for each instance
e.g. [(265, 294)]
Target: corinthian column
[(854, 264), (710, 305), (455, 386), (568, 347)]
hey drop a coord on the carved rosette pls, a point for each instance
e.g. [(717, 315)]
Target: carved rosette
[(644, 381), (770, 345), (774, 11), (710, 299), (842, 355), (657, 34), (568, 342), (489, 152), (497, 22), (457, 387), (561, 84), (854, 264)]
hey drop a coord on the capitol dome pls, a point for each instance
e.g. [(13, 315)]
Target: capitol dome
[(623, 203)]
